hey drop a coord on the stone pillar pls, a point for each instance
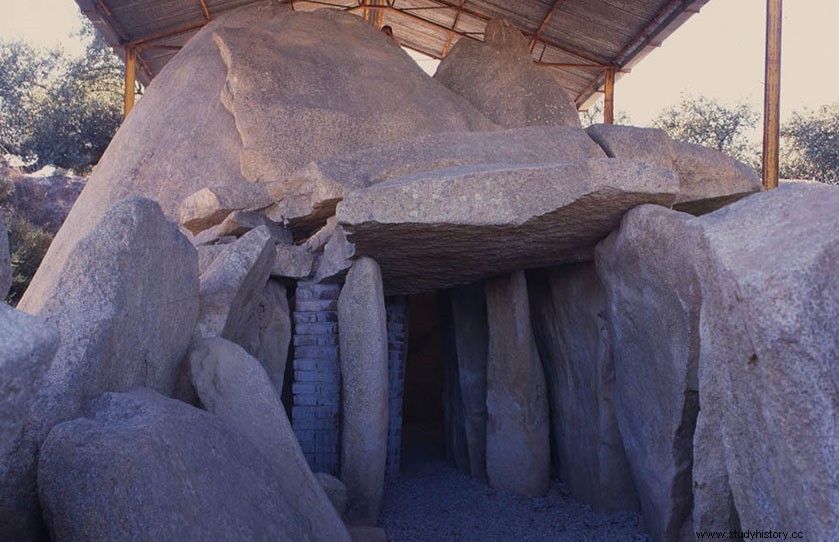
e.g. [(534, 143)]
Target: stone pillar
[(518, 449), (317, 375), (364, 371), (397, 352), (568, 313), (464, 318)]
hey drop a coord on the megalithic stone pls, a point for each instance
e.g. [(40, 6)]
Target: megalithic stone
[(518, 455), (362, 328), (470, 343)]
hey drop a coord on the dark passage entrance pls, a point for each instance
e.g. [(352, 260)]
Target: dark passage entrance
[(422, 410)]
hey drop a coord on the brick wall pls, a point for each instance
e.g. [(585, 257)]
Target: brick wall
[(316, 415), (397, 348)]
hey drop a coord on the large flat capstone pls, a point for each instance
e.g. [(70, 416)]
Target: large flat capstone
[(456, 226)]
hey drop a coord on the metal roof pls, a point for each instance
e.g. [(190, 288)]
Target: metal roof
[(577, 39)]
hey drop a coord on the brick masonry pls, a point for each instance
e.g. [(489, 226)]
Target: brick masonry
[(397, 348), (316, 416)]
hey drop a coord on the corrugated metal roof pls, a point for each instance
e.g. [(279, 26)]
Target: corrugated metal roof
[(576, 39)]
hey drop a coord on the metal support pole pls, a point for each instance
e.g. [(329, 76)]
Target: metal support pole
[(130, 75), (609, 100), (772, 95), (374, 16)]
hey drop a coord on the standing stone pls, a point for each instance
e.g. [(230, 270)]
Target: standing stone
[(568, 311), (653, 306), (335, 490), (145, 467), (518, 457), (232, 287), (267, 333), (466, 383), (234, 386), (5, 262), (363, 335), (769, 365), (125, 303), (27, 347), (498, 77)]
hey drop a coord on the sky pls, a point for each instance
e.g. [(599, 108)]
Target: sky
[(717, 53)]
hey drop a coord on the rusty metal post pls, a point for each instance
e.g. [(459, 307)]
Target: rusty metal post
[(374, 16), (609, 100), (772, 95), (130, 76)]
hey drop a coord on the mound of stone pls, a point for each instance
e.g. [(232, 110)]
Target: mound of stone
[(144, 467), (456, 226), (708, 179), (264, 112), (498, 77), (366, 91)]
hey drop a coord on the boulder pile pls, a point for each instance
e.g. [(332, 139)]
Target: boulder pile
[(627, 312)]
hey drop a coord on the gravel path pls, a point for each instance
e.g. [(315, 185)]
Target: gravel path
[(434, 502)]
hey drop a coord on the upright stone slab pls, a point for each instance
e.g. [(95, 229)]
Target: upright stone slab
[(653, 307), (397, 354), (232, 287), (498, 77), (465, 387), (125, 304), (769, 363), (316, 389), (235, 387), (27, 347), (518, 457), (568, 312), (364, 371), (268, 333), (145, 467)]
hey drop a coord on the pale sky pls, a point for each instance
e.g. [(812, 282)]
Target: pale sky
[(717, 53)]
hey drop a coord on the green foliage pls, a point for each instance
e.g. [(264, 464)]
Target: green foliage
[(58, 110), (28, 243), (705, 121), (811, 145)]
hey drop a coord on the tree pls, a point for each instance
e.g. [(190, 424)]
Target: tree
[(57, 110), (705, 121), (594, 115), (811, 145)]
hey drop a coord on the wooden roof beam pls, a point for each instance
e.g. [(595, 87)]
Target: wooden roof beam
[(106, 13), (204, 8), (544, 23), (579, 54), (644, 38)]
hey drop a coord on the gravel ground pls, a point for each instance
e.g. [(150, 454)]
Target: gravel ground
[(433, 502)]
